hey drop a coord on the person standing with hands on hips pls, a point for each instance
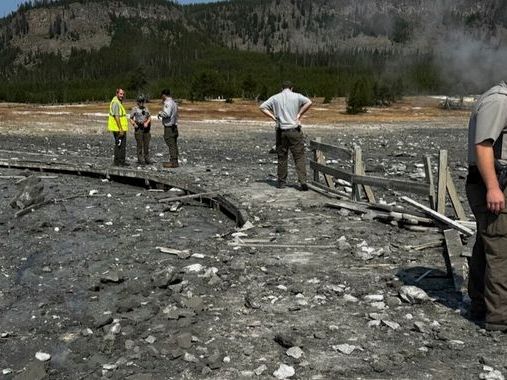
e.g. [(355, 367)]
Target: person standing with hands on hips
[(169, 117), (286, 109), (140, 119), (118, 124), (485, 187)]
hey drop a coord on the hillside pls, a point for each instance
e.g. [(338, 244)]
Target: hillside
[(71, 50)]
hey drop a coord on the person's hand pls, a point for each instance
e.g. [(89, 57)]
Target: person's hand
[(495, 200)]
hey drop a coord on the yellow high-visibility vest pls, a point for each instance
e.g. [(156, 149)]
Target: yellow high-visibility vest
[(111, 122)]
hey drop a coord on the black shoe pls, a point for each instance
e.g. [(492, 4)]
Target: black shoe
[(141, 162), (124, 164), (303, 187), (281, 185), (149, 162)]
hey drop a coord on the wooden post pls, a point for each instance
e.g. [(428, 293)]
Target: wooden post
[(359, 169), (453, 250), (316, 158), (429, 179), (453, 194), (321, 159), (442, 181), (356, 162)]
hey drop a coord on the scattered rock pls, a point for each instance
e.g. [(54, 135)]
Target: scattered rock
[(284, 372), (346, 349), (287, 341), (295, 352), (413, 294), (260, 370), (42, 356)]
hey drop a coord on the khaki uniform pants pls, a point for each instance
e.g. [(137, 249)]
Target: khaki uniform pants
[(293, 140), (171, 139), (487, 285), (143, 145), (120, 148)]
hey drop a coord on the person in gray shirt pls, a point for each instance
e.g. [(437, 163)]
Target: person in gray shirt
[(140, 119), (486, 192), (169, 117), (286, 109)]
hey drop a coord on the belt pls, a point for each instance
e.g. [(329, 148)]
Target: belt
[(171, 126), (297, 129)]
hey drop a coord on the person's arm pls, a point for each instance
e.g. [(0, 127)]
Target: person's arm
[(495, 198), (303, 110), (268, 113), (267, 109), (132, 117), (116, 115), (148, 118)]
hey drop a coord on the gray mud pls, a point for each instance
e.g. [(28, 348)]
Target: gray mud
[(84, 282)]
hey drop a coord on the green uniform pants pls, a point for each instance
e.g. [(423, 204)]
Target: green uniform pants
[(171, 139), (143, 145), (487, 285), (120, 148), (293, 140)]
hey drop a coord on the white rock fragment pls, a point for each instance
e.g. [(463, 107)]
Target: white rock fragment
[(295, 352), (391, 324), (6, 371), (491, 374), (150, 339), (373, 297), (93, 192), (350, 298), (284, 372), (413, 294), (109, 367), (260, 370), (346, 349), (194, 268), (42, 356)]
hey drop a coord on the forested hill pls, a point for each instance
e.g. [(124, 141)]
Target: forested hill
[(72, 50)]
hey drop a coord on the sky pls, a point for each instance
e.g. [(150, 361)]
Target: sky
[(7, 6)]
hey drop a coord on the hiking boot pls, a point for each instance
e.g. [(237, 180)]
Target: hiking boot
[(170, 165), (303, 187), (281, 185)]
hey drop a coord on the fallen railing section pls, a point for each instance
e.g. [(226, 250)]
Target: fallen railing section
[(136, 178), (352, 174)]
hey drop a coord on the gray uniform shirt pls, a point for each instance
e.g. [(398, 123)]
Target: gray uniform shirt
[(489, 122), (169, 113), (140, 114), (285, 106)]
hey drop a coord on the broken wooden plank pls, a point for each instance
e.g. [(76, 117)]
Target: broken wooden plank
[(442, 182), (453, 194), (187, 197), (358, 157), (428, 170), (322, 189), (335, 172), (356, 160), (332, 150), (454, 249), (441, 218), (430, 244), (36, 206), (301, 246), (321, 159)]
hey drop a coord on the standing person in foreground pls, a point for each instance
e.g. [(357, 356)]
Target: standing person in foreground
[(118, 124), (169, 116), (286, 109), (140, 119), (487, 172)]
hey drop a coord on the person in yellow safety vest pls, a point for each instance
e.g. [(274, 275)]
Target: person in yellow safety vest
[(118, 124)]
